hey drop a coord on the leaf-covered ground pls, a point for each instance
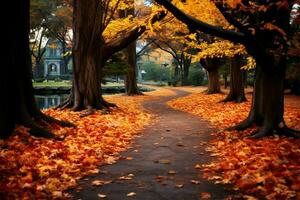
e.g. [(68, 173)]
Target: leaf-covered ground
[(32, 168), (263, 168)]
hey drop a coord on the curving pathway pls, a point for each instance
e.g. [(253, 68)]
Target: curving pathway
[(161, 163)]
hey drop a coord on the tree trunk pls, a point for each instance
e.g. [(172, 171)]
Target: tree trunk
[(88, 57), (38, 71), (213, 82), (186, 69), (18, 104), (268, 103), (130, 79), (225, 80), (237, 81), (212, 65)]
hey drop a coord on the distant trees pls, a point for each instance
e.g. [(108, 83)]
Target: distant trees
[(262, 27)]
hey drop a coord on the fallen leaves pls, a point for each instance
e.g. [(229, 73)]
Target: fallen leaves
[(171, 172), (205, 195), (100, 182), (40, 168), (164, 161), (131, 194), (197, 166), (101, 196), (267, 167), (179, 185)]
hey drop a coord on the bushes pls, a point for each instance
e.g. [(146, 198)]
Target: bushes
[(197, 76)]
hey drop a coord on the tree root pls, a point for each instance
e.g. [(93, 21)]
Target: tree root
[(48, 119), (232, 99), (68, 103), (269, 131), (38, 131), (213, 92), (89, 111), (135, 94), (263, 132), (289, 132), (247, 123)]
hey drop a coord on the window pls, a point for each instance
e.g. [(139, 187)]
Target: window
[(52, 68)]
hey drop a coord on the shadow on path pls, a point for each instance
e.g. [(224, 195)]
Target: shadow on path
[(174, 141)]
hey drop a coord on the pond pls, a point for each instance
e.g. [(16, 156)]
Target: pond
[(55, 97), (48, 101)]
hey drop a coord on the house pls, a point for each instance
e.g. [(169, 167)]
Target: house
[(54, 63)]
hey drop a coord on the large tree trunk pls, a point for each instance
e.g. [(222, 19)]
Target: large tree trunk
[(17, 103), (87, 57), (237, 81), (213, 82), (268, 103), (130, 79), (212, 65)]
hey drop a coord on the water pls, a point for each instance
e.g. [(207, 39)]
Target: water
[(48, 101), (51, 100)]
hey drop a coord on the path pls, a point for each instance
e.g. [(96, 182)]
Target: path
[(171, 143)]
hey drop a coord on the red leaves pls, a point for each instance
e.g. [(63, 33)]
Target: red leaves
[(267, 167), (45, 168)]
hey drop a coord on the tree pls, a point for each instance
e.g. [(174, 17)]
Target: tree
[(262, 27), (94, 43), (212, 65), (18, 105), (237, 81), (172, 37), (131, 75)]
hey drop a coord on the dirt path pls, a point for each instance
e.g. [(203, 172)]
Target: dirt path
[(173, 142)]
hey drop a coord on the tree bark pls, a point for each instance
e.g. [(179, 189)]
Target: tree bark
[(237, 81), (130, 79), (212, 65), (267, 104), (186, 69), (18, 104)]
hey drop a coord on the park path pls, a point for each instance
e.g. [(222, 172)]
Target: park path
[(175, 141)]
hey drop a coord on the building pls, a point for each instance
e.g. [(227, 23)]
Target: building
[(54, 63)]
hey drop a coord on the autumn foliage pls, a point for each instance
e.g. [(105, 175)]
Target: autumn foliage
[(267, 168), (45, 168)]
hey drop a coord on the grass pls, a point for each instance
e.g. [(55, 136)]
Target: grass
[(68, 84)]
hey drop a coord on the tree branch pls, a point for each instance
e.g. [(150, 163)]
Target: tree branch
[(230, 19), (195, 24), (141, 52), (131, 36), (166, 50)]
